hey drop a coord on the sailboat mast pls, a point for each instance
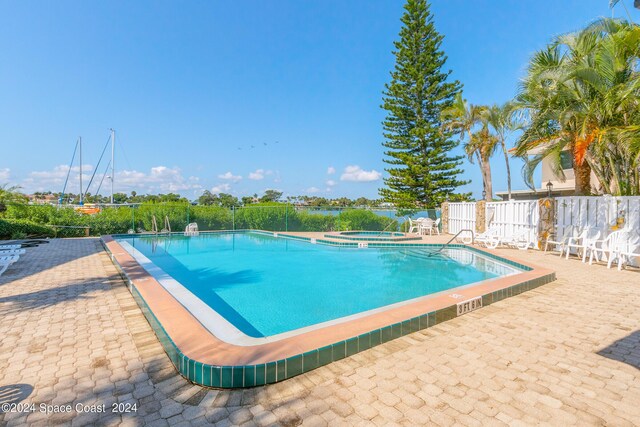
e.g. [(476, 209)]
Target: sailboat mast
[(113, 160), (81, 195)]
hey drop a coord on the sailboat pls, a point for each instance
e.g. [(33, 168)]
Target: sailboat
[(91, 208)]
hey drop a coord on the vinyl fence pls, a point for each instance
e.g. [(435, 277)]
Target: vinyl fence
[(604, 212), (462, 215), (513, 217)]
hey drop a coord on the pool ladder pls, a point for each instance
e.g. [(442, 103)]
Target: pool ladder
[(453, 238)]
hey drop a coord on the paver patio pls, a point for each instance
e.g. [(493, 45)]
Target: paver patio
[(565, 353)]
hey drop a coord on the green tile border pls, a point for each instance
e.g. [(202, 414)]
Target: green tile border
[(280, 370)]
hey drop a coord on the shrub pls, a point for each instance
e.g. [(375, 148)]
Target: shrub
[(364, 220), (306, 221), (13, 228)]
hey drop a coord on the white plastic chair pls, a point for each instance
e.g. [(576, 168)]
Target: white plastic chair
[(6, 261), (414, 225), (426, 225), (9, 247), (7, 252), (489, 239), (436, 226), (562, 241), (518, 240), (584, 243), (617, 246)]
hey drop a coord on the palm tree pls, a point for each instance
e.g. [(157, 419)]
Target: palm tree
[(580, 94), (502, 119), (481, 145), (462, 118)]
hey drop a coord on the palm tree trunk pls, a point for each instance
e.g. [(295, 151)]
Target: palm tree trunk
[(486, 173), (506, 160), (583, 178)]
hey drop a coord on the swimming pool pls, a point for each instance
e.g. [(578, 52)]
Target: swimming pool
[(265, 286), (279, 304)]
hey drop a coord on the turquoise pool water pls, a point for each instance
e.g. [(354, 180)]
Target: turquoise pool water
[(265, 285)]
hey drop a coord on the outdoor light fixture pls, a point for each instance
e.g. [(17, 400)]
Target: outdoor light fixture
[(484, 194), (549, 188)]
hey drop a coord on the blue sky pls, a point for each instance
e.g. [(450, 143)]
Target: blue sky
[(240, 96)]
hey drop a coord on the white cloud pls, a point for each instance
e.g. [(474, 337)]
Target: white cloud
[(221, 188), (257, 175), (230, 177), (313, 190), (357, 174), (331, 170), (159, 179), (54, 179), (331, 183), (4, 175)]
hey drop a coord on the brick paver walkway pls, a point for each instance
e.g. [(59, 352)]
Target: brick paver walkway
[(565, 353)]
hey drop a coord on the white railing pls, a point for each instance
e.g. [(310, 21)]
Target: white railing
[(462, 215), (512, 217)]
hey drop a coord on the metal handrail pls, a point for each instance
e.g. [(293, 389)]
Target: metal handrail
[(452, 239)]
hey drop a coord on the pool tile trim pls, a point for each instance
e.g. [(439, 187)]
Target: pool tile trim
[(203, 359)]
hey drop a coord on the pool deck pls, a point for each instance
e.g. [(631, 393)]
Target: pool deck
[(566, 353)]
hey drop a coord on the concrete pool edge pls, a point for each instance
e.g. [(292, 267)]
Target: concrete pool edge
[(203, 359)]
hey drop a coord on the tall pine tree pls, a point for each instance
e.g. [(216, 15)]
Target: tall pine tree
[(423, 172)]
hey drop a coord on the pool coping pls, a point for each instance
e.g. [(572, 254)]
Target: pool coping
[(206, 360)]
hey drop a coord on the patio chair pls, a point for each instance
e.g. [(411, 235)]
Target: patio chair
[(414, 225), (489, 239), (6, 261), (517, 240), (7, 252), (9, 247), (583, 243), (562, 241), (436, 226), (616, 246), (426, 225)]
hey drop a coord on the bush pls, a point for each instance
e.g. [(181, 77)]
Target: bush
[(262, 216), (211, 217), (306, 221), (20, 228), (365, 220)]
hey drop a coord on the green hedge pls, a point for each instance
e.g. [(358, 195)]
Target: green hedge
[(263, 216), (20, 228)]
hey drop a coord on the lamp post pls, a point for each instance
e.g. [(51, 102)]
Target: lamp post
[(549, 189)]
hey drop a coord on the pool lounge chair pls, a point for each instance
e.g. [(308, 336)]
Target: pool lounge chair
[(518, 240), (6, 261), (9, 247), (489, 239), (7, 252)]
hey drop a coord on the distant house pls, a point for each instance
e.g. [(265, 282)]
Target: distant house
[(42, 199), (559, 187)]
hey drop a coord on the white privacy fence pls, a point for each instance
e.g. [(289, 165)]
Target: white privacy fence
[(602, 212), (606, 213), (462, 215), (513, 217)]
